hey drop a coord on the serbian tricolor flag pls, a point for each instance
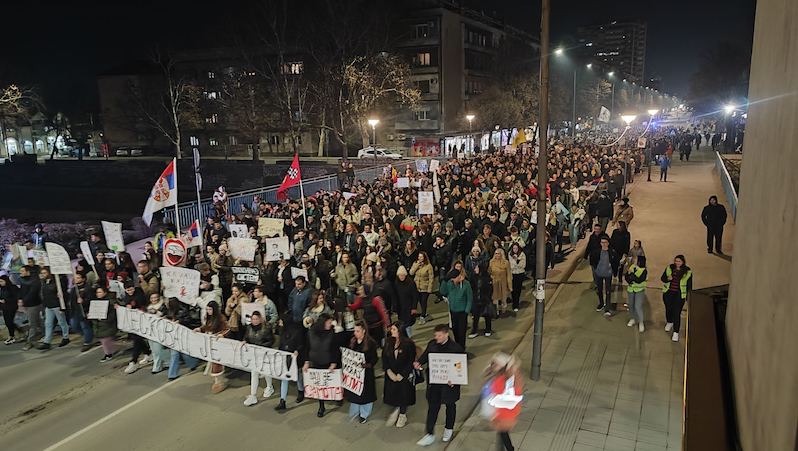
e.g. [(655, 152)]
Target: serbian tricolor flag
[(292, 177), (164, 193), (193, 235)]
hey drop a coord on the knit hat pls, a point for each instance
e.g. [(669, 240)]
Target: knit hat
[(402, 271)]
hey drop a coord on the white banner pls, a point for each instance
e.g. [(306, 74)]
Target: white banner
[(426, 203), (113, 236), (277, 248), (59, 259), (243, 248), (270, 227), (86, 251), (98, 309), (447, 368), (323, 384), (180, 283), (238, 230), (353, 373), (230, 353)]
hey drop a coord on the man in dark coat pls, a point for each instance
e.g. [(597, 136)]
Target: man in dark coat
[(604, 210), (714, 218), (438, 394)]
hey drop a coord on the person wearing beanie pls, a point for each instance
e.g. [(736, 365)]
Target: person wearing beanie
[(407, 298)]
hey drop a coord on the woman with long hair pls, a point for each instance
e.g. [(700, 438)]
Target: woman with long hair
[(361, 405), (503, 388), (399, 390), (501, 278), (322, 350), (215, 324), (424, 276), (517, 260)]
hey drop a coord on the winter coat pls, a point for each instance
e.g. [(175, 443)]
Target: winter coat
[(49, 293), (400, 362), (322, 348), (501, 278), (517, 263), (714, 216), (293, 339), (233, 310), (604, 207), (407, 296), (625, 214), (369, 393), (424, 276), (346, 276), (262, 335), (298, 301), (460, 296), (8, 294), (615, 259), (30, 291), (150, 284), (85, 293), (441, 393), (104, 328), (621, 241)]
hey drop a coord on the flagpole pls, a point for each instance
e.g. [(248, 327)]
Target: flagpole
[(197, 183), (177, 215), (304, 211)]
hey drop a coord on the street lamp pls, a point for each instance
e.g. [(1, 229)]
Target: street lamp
[(559, 51), (651, 113), (373, 123), (628, 118), (589, 65), (470, 119), (729, 109)]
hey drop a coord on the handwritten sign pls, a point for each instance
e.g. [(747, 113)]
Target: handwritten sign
[(270, 227), (403, 182), (59, 259), (116, 287), (230, 353), (353, 375), (39, 257), (296, 272), (426, 203), (323, 384), (277, 248), (238, 230), (85, 250), (113, 235), (245, 275), (448, 368), (434, 165), (248, 308), (98, 309), (180, 283), (242, 248)]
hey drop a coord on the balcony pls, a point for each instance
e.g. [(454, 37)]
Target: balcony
[(410, 124)]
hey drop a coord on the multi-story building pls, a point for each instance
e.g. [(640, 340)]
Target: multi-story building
[(453, 53), (620, 46)]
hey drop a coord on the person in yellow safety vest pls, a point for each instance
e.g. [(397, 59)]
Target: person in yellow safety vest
[(636, 276), (677, 281)]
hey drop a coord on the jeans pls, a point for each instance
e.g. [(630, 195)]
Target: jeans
[(636, 301), (300, 385), (82, 324), (360, 410), (254, 382), (604, 290), (673, 308), (174, 363), (34, 322), (663, 174), (50, 315), (432, 416), (573, 233), (159, 354)]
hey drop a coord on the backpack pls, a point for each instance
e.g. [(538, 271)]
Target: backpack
[(370, 314)]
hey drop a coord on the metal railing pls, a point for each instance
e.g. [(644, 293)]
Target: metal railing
[(187, 211), (728, 185)]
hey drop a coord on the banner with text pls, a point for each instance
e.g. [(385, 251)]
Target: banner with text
[(270, 227), (353, 373), (180, 283), (243, 248)]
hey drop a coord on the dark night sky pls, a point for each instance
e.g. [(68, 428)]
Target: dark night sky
[(61, 46)]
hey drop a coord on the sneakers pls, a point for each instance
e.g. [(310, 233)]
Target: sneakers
[(279, 407), (426, 440), (515, 310), (599, 307), (10, 341), (43, 346), (447, 434), (362, 420), (106, 358), (668, 327), (675, 336), (146, 360), (64, 342), (268, 392), (608, 313), (488, 333), (251, 400), (630, 323), (641, 328), (473, 335), (401, 421), (131, 368), (421, 320), (392, 418)]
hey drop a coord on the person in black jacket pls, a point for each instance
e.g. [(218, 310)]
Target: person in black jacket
[(399, 390), (407, 298), (52, 310), (31, 302), (292, 339), (259, 333), (714, 218), (620, 242), (438, 394), (80, 295), (604, 210), (134, 298), (322, 350), (360, 406), (8, 303), (605, 262), (593, 241)]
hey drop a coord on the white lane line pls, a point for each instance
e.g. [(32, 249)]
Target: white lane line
[(111, 415)]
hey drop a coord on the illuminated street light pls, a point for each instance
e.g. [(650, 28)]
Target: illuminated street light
[(628, 118), (589, 65), (470, 118), (559, 51), (729, 109), (373, 123), (652, 112), (611, 73)]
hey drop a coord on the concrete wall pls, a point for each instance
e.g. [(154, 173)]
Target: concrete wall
[(762, 316)]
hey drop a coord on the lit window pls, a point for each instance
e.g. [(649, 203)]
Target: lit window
[(212, 95), (194, 141), (213, 119), (211, 74), (232, 140), (293, 68), (213, 142), (421, 115), (423, 59)]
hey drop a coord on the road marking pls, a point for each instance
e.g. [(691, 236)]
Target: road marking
[(110, 415)]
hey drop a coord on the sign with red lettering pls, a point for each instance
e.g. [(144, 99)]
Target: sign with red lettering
[(324, 385), (353, 372)]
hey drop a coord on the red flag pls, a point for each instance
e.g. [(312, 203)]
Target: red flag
[(292, 177)]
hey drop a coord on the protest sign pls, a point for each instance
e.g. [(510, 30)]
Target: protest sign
[(23, 253), (59, 259), (426, 203), (247, 308), (113, 235), (323, 384), (245, 275), (276, 248), (353, 374), (641, 142), (434, 165), (85, 250), (296, 272), (348, 196), (421, 165), (403, 182), (180, 283), (242, 248), (40, 257), (116, 287), (238, 230), (270, 227), (230, 353), (98, 309), (448, 368), (174, 252)]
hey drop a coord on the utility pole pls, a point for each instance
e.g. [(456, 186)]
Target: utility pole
[(543, 178)]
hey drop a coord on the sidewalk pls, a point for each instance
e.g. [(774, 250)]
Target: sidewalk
[(604, 386)]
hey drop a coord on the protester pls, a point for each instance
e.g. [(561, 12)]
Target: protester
[(30, 301), (8, 303), (399, 390), (517, 260), (293, 340), (636, 277), (105, 329), (714, 218), (424, 277), (215, 324), (360, 406), (159, 352), (605, 262), (457, 290), (232, 310), (677, 282), (504, 378), (501, 280), (322, 350), (134, 298), (259, 333), (53, 311), (407, 297), (186, 316), (375, 316)]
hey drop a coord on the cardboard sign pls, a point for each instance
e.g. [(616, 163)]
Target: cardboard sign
[(247, 308), (448, 368), (59, 259), (348, 196), (180, 283), (434, 165), (243, 248), (245, 275), (353, 375), (98, 309), (403, 182), (230, 353), (641, 142), (85, 249), (296, 272), (421, 165), (113, 235), (270, 227), (174, 252), (426, 203), (276, 248), (238, 230), (323, 384), (23, 253), (39, 257)]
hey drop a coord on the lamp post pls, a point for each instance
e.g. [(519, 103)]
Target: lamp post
[(560, 52), (610, 75), (628, 118), (470, 119), (373, 123), (651, 113)]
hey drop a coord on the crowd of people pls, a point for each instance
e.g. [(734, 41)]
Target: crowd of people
[(373, 267)]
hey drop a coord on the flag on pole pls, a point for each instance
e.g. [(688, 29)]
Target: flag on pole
[(194, 235), (604, 115), (292, 178), (164, 193)]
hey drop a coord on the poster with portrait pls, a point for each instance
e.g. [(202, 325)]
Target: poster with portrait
[(247, 308), (242, 248), (238, 230), (276, 248)]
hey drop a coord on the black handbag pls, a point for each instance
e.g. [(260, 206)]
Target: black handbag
[(489, 311), (418, 376)]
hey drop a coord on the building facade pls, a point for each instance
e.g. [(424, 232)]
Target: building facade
[(620, 46)]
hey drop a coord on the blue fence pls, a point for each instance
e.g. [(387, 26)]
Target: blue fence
[(728, 186)]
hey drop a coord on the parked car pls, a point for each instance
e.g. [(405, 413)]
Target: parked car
[(128, 152), (368, 152)]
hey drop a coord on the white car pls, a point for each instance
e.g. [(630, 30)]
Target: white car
[(128, 152), (368, 152)]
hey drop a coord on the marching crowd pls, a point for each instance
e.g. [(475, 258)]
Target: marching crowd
[(373, 266)]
